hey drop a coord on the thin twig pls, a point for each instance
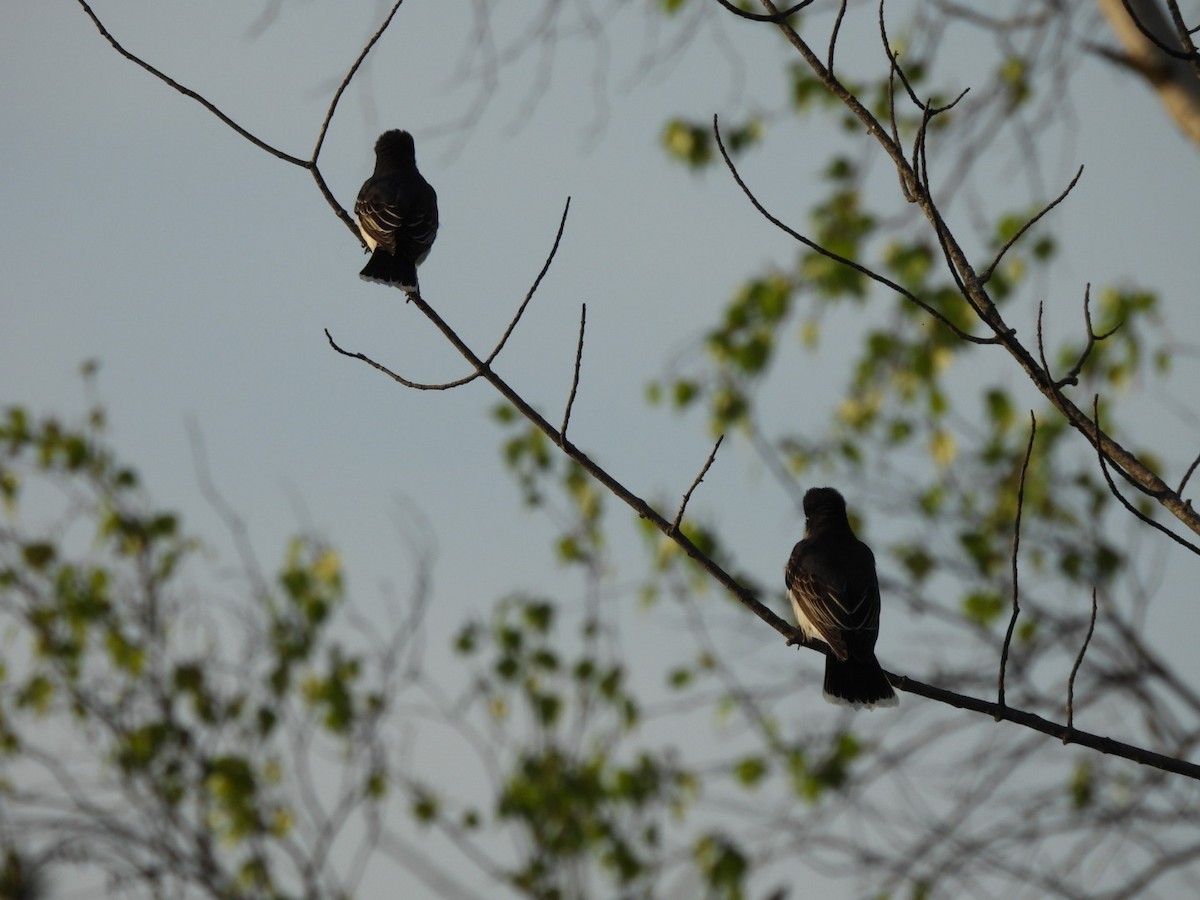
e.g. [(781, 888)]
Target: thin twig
[(774, 18), (337, 95), (1072, 376), (562, 224), (833, 36), (188, 92), (695, 483), (987, 273), (575, 377), (491, 358), (1116, 493), (1155, 39), (874, 276), (1187, 475), (1087, 639), (1016, 546), (399, 379)]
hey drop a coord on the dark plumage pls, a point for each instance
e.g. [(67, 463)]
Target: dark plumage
[(397, 213), (834, 590)]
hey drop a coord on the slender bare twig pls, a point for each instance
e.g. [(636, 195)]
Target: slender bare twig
[(562, 224), (309, 164), (1112, 487), (1155, 39), (188, 92), (337, 95), (1087, 639), (774, 18), (1016, 546), (1188, 474), (1185, 36), (833, 36), (399, 379), (987, 273), (491, 357), (687, 496), (874, 276), (575, 376), (1072, 376)]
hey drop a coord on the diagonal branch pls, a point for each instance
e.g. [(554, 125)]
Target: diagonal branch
[(1106, 448), (1112, 487), (696, 483), (751, 602), (858, 267), (575, 376), (337, 95), (974, 291), (987, 273), (533, 288), (188, 92)]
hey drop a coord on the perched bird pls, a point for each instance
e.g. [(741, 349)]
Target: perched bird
[(397, 213), (834, 590)]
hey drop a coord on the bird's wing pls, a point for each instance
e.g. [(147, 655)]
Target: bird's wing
[(394, 212), (380, 213), (834, 590)]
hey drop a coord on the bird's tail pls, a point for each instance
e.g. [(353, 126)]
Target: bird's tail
[(858, 683), (384, 268)]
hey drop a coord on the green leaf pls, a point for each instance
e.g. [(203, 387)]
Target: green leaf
[(750, 770), (983, 607)]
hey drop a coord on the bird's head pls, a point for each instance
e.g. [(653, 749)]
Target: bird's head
[(824, 506), (395, 147)]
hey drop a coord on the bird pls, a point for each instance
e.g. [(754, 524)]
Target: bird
[(834, 590), (397, 214)]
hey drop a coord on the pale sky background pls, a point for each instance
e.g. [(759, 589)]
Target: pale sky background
[(139, 231)]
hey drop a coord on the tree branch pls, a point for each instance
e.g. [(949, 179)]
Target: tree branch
[(1016, 546), (975, 292), (1087, 639), (575, 376), (987, 273), (874, 276), (695, 483)]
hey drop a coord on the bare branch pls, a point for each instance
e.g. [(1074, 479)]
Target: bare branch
[(1087, 639), (699, 478), (1016, 546), (987, 273), (1116, 493), (1045, 726), (337, 96), (1072, 376), (467, 379), (1153, 38), (874, 276), (188, 92), (536, 282), (575, 377), (774, 18), (399, 379), (833, 36), (1187, 475), (973, 290)]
